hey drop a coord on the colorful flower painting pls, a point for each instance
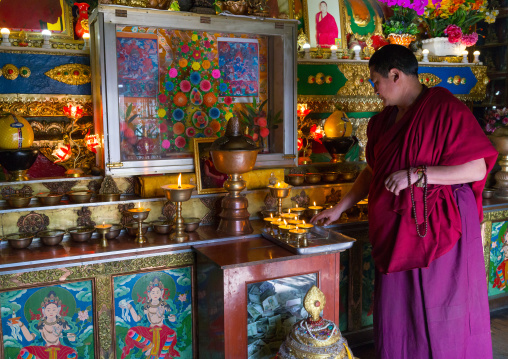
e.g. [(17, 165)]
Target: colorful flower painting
[(137, 66), (53, 322), (153, 314), (498, 267)]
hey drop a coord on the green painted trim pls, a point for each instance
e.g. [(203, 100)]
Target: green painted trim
[(304, 71)]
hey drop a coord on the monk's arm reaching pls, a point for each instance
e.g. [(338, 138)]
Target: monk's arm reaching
[(443, 175), (359, 191)]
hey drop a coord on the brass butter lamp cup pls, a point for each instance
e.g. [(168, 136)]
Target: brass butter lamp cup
[(139, 215), (234, 154), (103, 229), (179, 193), (279, 192)]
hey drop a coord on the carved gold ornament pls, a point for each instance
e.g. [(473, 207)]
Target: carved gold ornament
[(323, 103), (25, 72), (357, 84), (71, 74), (43, 105), (428, 79), (10, 72), (320, 78), (311, 79), (479, 91)]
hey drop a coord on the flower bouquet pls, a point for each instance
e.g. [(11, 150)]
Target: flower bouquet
[(452, 22), (401, 28), (495, 119)]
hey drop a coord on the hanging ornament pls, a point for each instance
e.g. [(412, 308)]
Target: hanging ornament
[(92, 142), (62, 152)]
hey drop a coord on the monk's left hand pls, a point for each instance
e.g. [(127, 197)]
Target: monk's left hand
[(397, 181)]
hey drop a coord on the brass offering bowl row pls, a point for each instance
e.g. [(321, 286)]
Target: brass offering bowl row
[(52, 237)]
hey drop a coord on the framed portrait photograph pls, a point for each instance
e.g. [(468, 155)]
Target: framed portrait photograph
[(325, 23), (53, 15), (208, 179)]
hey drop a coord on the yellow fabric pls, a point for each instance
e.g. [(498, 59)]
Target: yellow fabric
[(150, 186), (259, 178)]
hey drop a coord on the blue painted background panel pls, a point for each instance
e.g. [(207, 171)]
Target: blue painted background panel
[(38, 83), (444, 72)]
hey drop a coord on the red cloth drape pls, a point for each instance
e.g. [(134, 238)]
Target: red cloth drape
[(439, 130)]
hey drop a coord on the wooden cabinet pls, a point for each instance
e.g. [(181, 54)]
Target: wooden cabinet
[(225, 273)]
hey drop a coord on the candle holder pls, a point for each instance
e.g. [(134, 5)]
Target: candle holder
[(103, 229), (279, 193), (299, 211), (314, 210), (299, 236), (139, 215), (178, 194), (284, 232)]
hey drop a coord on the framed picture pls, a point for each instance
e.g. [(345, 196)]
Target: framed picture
[(495, 248), (49, 322), (53, 15), (325, 23), (209, 180), (153, 314)]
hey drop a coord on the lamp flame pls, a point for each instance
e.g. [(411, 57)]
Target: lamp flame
[(180, 181)]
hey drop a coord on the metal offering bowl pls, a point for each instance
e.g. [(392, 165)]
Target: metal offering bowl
[(51, 237), (18, 161), (330, 176), (81, 233), (18, 201), (114, 231), (237, 162), (132, 228), (279, 192), (80, 196), (488, 193), (296, 179), (312, 178), (109, 197), (162, 227), (19, 240), (182, 194), (338, 147), (348, 176), (191, 224), (49, 199)]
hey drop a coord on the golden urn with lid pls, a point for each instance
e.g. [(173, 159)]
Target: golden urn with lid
[(314, 337), (234, 154)]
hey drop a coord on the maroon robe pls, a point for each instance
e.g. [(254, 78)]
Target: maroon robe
[(49, 352), (326, 30), (433, 301), (438, 130)]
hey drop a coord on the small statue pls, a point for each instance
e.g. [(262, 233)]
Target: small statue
[(81, 13), (302, 40), (23, 39)]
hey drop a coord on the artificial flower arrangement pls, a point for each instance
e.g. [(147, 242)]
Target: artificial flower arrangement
[(403, 21), (258, 121), (494, 119), (455, 19), (452, 18)]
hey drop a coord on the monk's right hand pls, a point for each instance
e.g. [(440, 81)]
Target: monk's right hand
[(328, 216)]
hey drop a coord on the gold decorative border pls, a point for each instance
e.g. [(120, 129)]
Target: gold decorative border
[(327, 103), (43, 104), (61, 50)]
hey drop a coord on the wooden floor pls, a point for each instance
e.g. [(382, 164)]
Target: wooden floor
[(499, 328)]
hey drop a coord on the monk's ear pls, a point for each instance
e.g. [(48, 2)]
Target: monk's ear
[(394, 75)]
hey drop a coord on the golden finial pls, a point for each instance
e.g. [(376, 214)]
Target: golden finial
[(314, 302)]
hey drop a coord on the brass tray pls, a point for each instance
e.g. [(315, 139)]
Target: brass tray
[(319, 240)]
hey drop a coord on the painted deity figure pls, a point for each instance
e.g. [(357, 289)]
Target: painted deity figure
[(157, 340), (326, 27), (502, 268), (51, 328)]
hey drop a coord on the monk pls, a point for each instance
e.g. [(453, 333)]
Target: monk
[(326, 27), (427, 161)]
